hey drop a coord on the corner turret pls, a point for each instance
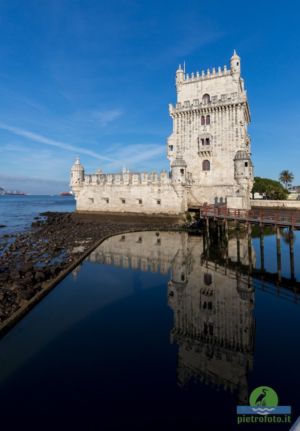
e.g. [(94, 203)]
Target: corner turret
[(178, 169), (235, 65), (242, 167), (77, 177), (179, 75)]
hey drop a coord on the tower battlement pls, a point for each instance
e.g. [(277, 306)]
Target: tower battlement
[(209, 74)]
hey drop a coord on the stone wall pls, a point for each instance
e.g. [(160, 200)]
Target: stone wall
[(132, 198)]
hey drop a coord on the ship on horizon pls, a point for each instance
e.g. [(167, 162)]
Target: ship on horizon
[(66, 194), (4, 192)]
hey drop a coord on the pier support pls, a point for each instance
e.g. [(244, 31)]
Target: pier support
[(291, 244), (278, 252)]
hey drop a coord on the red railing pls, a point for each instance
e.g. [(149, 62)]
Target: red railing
[(264, 216)]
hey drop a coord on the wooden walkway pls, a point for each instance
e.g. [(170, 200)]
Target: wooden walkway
[(280, 218)]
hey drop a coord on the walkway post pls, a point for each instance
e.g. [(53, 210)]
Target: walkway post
[(291, 244)]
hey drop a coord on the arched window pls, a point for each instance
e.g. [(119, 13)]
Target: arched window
[(207, 141), (207, 119), (206, 98), (202, 120), (206, 165)]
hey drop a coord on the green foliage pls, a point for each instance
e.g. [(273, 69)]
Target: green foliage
[(286, 177), (188, 217), (270, 189)]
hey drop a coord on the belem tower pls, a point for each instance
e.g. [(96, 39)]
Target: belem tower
[(208, 150)]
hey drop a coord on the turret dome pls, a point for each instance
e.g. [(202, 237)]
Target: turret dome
[(241, 155), (77, 165), (179, 162)]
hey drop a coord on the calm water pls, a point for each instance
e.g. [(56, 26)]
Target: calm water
[(151, 331), (18, 212)]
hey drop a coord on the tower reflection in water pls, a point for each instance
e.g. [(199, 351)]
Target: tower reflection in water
[(212, 305)]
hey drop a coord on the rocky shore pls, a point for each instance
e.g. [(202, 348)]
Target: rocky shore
[(33, 262)]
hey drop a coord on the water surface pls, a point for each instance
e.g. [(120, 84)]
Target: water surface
[(151, 331), (17, 212)]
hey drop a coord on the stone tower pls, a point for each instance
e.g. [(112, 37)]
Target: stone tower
[(210, 121)]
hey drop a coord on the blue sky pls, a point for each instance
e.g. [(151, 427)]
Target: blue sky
[(94, 78)]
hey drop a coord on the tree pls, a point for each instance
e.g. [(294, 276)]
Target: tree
[(286, 177), (269, 189)]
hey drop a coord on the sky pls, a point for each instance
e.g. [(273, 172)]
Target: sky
[(93, 78)]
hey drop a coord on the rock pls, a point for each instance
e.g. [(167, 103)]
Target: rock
[(28, 277), (27, 293), (27, 267), (39, 276)]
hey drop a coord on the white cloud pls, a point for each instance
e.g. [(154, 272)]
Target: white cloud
[(48, 141), (134, 155), (44, 162), (106, 117)]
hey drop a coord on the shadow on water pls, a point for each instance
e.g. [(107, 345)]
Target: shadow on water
[(162, 328)]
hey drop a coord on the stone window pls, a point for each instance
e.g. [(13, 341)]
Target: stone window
[(122, 238), (207, 120), (171, 147), (206, 165), (202, 120), (106, 200), (202, 141), (207, 141), (140, 201), (123, 201), (158, 202), (182, 171), (158, 241), (207, 279), (246, 164), (206, 98), (140, 239)]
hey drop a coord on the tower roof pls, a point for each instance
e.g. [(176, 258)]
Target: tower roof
[(178, 162), (234, 55), (77, 165)]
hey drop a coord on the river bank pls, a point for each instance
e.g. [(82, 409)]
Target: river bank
[(33, 262)]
